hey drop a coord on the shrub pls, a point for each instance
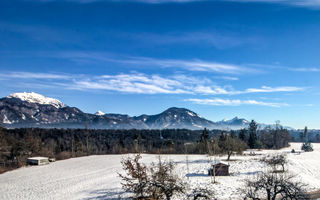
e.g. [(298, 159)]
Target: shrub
[(307, 147), (155, 182)]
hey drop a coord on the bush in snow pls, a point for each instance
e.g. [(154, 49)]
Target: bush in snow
[(136, 179), (201, 194), (307, 147), (164, 183), (155, 182)]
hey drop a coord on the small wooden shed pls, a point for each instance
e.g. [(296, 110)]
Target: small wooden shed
[(220, 169), (38, 161)]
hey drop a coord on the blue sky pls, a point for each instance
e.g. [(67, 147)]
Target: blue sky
[(225, 58)]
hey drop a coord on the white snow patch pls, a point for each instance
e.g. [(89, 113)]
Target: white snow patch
[(191, 114), (100, 113), (33, 97), (199, 116), (196, 125), (5, 120), (35, 118), (96, 177)]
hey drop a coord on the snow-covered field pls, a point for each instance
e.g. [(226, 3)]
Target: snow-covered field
[(96, 177)]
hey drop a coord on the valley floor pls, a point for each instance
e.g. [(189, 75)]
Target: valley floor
[(96, 177)]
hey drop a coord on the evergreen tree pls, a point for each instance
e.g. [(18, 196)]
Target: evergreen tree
[(233, 134), (243, 135), (205, 135), (301, 136), (223, 136), (252, 134), (305, 134), (306, 146), (204, 140)]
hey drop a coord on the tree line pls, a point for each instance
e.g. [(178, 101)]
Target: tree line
[(16, 145)]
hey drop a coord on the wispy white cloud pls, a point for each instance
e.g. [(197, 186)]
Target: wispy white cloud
[(229, 78), (219, 39), (303, 69), (139, 83), (195, 65), (41, 33), (141, 1), (234, 102), (190, 65), (301, 3), (214, 90), (176, 84), (283, 67), (266, 89), (31, 75), (148, 84), (132, 83)]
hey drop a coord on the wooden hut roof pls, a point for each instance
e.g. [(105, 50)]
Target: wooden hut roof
[(216, 162)]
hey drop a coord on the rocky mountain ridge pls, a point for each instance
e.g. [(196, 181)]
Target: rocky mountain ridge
[(35, 110)]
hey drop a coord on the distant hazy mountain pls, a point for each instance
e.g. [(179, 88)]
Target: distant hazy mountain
[(35, 110), (176, 118), (235, 123)]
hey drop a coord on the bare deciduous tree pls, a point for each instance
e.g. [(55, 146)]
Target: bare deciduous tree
[(231, 144), (273, 186), (276, 160)]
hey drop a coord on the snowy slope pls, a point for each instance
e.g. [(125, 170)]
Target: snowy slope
[(33, 97), (95, 177)]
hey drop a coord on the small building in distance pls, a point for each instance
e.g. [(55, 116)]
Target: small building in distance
[(38, 161), (220, 169)]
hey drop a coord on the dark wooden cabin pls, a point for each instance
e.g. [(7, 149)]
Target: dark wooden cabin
[(221, 169)]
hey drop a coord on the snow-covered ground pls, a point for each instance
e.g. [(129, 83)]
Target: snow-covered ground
[(96, 177)]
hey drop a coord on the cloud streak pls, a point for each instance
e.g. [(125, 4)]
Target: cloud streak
[(194, 65), (266, 89), (219, 39), (189, 65), (132, 83), (138, 1), (139, 83), (302, 69), (300, 3), (30, 75), (234, 102)]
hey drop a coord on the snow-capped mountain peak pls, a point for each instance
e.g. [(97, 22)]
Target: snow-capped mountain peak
[(99, 112), (33, 97), (234, 122)]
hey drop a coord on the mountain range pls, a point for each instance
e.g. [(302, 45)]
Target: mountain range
[(35, 110)]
